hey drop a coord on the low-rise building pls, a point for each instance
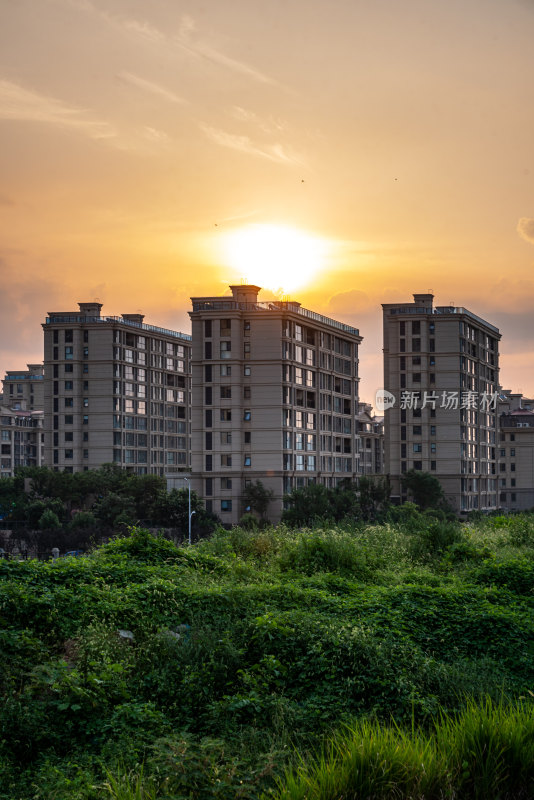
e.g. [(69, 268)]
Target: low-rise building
[(21, 439), (371, 441), (516, 452)]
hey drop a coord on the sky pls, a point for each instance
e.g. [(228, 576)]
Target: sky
[(154, 151)]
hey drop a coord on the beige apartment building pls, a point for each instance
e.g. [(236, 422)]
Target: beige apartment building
[(275, 399), (24, 389), (21, 439), (115, 390), (371, 441), (516, 452), (441, 364)]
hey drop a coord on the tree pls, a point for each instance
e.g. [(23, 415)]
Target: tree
[(305, 506), (374, 496), (258, 498), (425, 489)]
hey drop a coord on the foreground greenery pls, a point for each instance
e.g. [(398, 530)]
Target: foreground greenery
[(358, 661)]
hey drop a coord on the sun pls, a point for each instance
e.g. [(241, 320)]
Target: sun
[(275, 257)]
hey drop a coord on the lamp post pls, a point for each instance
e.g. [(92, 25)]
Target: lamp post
[(189, 512)]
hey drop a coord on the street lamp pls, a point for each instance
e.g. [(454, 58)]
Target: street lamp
[(189, 512)]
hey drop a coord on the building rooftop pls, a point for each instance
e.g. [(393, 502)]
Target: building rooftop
[(62, 318)]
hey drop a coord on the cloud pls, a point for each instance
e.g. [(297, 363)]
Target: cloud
[(18, 103), (207, 52), (145, 30), (149, 86), (351, 302), (244, 144), (156, 136), (525, 228)]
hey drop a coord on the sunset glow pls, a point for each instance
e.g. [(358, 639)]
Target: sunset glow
[(333, 152), (275, 257)]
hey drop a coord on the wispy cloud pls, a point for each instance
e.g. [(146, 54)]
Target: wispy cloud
[(525, 228), (205, 51), (269, 125), (151, 87), (18, 103), (244, 144)]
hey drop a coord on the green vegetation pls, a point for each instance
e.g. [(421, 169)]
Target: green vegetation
[(350, 661), (45, 509)]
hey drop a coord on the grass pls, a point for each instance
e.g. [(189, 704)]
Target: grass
[(251, 648)]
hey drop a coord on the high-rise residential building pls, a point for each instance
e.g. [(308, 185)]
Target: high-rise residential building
[(275, 399), (516, 451), (371, 441), (23, 389), (21, 439), (115, 390), (441, 365)]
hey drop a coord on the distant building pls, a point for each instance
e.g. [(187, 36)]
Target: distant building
[(115, 390), (275, 399), (441, 364), (21, 439), (24, 389), (371, 441), (516, 452)]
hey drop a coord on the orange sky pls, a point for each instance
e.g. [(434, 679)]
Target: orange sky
[(135, 136)]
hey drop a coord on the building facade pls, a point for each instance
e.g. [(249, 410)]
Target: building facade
[(441, 365), (21, 439), (115, 390), (371, 441), (516, 452), (275, 399), (24, 389)]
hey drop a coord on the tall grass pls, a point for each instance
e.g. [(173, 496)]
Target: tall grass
[(487, 751)]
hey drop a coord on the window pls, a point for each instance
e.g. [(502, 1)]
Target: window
[(246, 349), (417, 430), (69, 436), (433, 447), (207, 349), (69, 453), (226, 483), (226, 414), (248, 437), (512, 451), (85, 419), (69, 353), (68, 336), (226, 370), (226, 349), (69, 402), (247, 415), (226, 392), (418, 448), (226, 505), (68, 386), (207, 328), (86, 352), (226, 437), (226, 460), (209, 463), (69, 419), (247, 371), (226, 327), (246, 392), (207, 373), (247, 461), (85, 402)]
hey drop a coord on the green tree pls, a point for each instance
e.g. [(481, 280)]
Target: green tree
[(425, 489), (258, 498), (305, 506), (374, 496)]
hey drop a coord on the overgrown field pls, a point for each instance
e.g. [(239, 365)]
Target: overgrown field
[(324, 652)]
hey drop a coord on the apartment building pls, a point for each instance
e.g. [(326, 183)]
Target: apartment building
[(24, 389), (21, 439), (516, 452), (115, 390), (275, 398), (371, 441), (441, 365)]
